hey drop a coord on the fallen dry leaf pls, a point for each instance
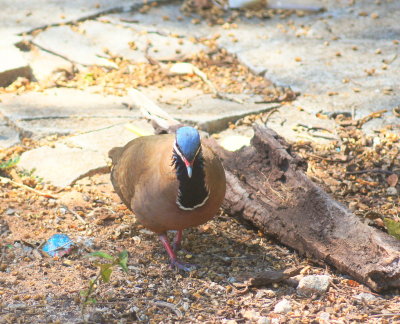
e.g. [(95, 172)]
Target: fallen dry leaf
[(392, 180)]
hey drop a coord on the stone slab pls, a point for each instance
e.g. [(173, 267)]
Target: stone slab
[(12, 65), (79, 156), (89, 43), (156, 21), (62, 165), (24, 15), (8, 136), (210, 114), (64, 111), (44, 65), (233, 139), (103, 140), (341, 60), (294, 123)]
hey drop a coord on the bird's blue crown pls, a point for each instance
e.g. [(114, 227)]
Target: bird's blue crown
[(188, 140)]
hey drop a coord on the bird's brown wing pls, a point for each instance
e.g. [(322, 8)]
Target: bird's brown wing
[(133, 163)]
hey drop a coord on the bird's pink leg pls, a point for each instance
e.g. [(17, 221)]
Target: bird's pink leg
[(177, 241), (175, 263)]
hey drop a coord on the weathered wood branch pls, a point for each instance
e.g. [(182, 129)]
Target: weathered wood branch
[(266, 185)]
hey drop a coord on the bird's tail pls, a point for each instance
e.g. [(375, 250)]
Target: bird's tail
[(114, 154)]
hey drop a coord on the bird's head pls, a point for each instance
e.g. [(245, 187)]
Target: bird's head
[(187, 146)]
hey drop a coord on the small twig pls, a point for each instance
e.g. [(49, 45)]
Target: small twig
[(366, 291), (151, 110), (269, 114), (151, 60), (40, 193), (129, 21), (314, 128), (79, 217), (338, 288), (224, 97), (170, 306), (371, 171), (391, 60), (325, 159), (376, 114), (385, 315)]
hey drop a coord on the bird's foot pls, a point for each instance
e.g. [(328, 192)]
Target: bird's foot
[(176, 264)]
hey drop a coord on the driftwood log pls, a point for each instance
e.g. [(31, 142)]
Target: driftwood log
[(267, 186)]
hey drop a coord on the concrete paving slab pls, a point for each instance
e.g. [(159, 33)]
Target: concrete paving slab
[(62, 165), (8, 136), (24, 15), (88, 43), (79, 156), (105, 139), (294, 123), (73, 46), (44, 64), (64, 111), (156, 21), (12, 65), (19, 17), (209, 113), (343, 59), (233, 139)]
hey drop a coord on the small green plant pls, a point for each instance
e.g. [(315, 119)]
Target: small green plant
[(104, 275), (393, 227), (9, 163)]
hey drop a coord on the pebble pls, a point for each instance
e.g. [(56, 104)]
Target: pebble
[(353, 206), (284, 306), (391, 191), (366, 297), (313, 284), (250, 314), (263, 320), (10, 211), (324, 317)]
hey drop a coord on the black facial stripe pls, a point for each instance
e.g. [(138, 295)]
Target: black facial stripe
[(192, 191)]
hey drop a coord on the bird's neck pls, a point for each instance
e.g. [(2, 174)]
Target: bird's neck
[(192, 192)]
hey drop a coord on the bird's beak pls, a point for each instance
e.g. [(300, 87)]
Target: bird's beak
[(189, 167), (189, 170)]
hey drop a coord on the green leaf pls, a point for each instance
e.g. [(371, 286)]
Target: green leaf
[(123, 260), (101, 254), (123, 255), (84, 293), (123, 264), (9, 163), (105, 271), (91, 300), (89, 77), (393, 227)]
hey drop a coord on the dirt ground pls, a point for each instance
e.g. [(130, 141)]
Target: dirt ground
[(36, 288)]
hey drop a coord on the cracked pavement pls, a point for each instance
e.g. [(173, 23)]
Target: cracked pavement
[(342, 60)]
